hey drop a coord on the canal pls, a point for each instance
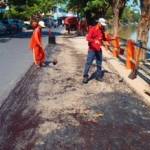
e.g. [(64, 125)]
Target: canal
[(130, 32)]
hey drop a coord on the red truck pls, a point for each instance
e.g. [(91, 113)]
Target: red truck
[(71, 23)]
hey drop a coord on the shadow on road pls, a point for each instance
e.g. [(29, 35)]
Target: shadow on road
[(124, 125), (4, 40), (18, 117)]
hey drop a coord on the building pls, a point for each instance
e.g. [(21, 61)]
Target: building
[(58, 12)]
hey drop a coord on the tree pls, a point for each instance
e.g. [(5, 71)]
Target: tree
[(117, 7), (46, 5), (23, 2), (91, 9), (26, 8), (129, 15), (98, 8), (144, 24)]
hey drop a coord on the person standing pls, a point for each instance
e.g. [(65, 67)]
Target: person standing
[(82, 27), (95, 37), (36, 45)]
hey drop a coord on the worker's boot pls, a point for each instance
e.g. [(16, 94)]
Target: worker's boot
[(99, 78), (85, 80)]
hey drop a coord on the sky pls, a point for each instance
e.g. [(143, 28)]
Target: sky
[(136, 7)]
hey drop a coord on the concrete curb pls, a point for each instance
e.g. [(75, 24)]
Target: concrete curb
[(138, 84)]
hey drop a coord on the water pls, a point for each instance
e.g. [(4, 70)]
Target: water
[(130, 32)]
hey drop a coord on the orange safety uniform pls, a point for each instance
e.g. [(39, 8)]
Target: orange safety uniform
[(36, 46)]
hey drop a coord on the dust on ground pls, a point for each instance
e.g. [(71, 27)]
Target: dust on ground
[(50, 109)]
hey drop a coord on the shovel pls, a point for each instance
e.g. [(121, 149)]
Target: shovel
[(134, 72)]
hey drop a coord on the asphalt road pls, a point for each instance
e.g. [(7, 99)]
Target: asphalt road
[(50, 109), (15, 60)]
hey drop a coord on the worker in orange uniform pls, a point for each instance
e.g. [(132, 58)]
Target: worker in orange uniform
[(36, 45)]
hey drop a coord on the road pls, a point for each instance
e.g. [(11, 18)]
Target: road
[(51, 109), (15, 59)]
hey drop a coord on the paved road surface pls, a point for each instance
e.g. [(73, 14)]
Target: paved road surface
[(15, 60), (52, 110)]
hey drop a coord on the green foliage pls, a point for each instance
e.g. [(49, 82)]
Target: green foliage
[(89, 8), (109, 13), (87, 5), (129, 15), (12, 13), (95, 4), (25, 9), (23, 2), (92, 9), (46, 5)]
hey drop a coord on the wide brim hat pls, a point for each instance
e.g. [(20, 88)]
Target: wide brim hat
[(41, 23), (102, 21)]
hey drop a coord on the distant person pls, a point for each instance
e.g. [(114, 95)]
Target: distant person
[(63, 22), (95, 37), (36, 44), (67, 24), (82, 27)]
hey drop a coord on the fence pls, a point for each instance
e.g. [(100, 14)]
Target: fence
[(133, 54)]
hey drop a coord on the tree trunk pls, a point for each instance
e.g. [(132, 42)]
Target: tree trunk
[(144, 24), (116, 22), (118, 7)]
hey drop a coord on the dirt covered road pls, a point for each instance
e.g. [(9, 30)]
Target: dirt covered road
[(50, 108)]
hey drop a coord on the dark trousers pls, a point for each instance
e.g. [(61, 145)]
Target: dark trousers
[(90, 57)]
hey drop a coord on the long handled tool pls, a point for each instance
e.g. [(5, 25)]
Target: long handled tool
[(134, 72)]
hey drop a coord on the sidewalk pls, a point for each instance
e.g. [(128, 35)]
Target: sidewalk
[(138, 84)]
